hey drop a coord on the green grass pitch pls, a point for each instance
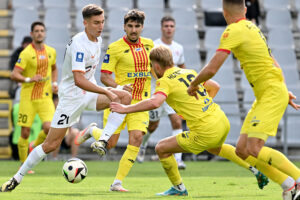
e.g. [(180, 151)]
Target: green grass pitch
[(204, 180)]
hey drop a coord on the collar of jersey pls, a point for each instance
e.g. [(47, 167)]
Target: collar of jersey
[(240, 19), (124, 38)]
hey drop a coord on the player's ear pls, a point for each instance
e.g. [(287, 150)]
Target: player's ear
[(245, 10), (84, 22)]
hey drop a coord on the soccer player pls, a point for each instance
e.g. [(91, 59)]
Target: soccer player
[(249, 46), (167, 35), (77, 91), (208, 124), (128, 58), (36, 70)]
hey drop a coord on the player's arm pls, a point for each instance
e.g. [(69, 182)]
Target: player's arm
[(83, 83), (17, 76), (108, 80), (212, 88), (54, 78), (208, 71), (149, 104)]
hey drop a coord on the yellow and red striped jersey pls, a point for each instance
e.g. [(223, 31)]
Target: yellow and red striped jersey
[(33, 62), (131, 65)]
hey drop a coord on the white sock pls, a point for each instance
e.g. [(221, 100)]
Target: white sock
[(180, 187), (253, 170), (145, 140), (116, 181), (36, 156), (288, 184), (113, 122), (178, 156)]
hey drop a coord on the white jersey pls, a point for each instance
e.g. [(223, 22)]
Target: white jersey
[(177, 51), (81, 55)]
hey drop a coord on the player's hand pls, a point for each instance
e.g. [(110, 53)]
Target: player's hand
[(55, 89), (192, 90), (117, 107), (36, 78), (293, 104), (128, 88)]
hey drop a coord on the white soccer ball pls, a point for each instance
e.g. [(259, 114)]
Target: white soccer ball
[(74, 170)]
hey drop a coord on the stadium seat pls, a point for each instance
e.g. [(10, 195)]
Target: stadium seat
[(188, 37), (33, 4), (235, 129), (276, 4), (297, 4), (58, 37), (142, 4), (185, 18), (278, 19), (248, 98), (276, 41), (286, 58), (212, 37), (293, 126), (192, 59), (57, 18), (214, 18), (152, 32), (23, 17), (79, 4), (115, 34), (19, 34), (225, 77), (209, 5), (244, 82), (57, 4), (153, 17), (291, 78), (79, 21), (182, 4), (112, 4), (116, 18), (226, 95)]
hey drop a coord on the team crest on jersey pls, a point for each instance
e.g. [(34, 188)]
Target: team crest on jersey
[(225, 35), (19, 60), (79, 57), (106, 58), (138, 49), (157, 83), (42, 57)]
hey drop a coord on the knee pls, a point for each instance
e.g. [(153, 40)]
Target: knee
[(159, 149), (49, 147), (136, 140), (242, 153), (253, 151), (126, 98), (25, 132), (152, 127)]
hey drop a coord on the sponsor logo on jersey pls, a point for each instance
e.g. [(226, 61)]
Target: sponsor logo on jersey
[(19, 60), (138, 49), (79, 57), (106, 58), (42, 57), (255, 121), (138, 74)]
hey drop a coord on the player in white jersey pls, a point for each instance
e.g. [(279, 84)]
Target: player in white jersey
[(167, 30), (77, 92)]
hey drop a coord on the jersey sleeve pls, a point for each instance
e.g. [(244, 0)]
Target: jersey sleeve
[(162, 87), (54, 57), (110, 60), (230, 39), (22, 60), (78, 57)]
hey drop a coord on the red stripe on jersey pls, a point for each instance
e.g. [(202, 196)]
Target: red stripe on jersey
[(134, 89), (19, 67), (106, 71), (142, 87), (159, 92), (134, 58), (138, 89), (146, 58), (139, 59), (224, 50)]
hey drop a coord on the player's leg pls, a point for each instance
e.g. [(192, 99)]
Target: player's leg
[(165, 150), (70, 138), (23, 143)]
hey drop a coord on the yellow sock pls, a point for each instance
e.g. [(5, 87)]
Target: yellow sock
[(96, 133), (228, 152), (40, 139), (268, 170), (278, 160), (127, 161), (23, 149), (170, 166)]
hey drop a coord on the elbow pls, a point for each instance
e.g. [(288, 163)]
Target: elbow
[(77, 82), (155, 105)]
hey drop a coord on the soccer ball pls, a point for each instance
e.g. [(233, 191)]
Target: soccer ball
[(74, 170)]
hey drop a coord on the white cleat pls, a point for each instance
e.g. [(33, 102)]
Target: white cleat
[(85, 134), (117, 188), (99, 147), (141, 156), (289, 194), (181, 165), (9, 186)]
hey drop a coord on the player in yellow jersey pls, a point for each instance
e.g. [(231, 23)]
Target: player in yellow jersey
[(207, 122), (249, 46), (128, 59), (36, 70)]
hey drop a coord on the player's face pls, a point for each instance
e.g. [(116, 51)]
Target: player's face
[(168, 29), (94, 25), (38, 34), (133, 30)]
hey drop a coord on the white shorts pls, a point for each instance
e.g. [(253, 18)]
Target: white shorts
[(68, 110), (163, 110)]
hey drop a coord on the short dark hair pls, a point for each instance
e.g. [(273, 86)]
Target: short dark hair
[(237, 2), (134, 15), (37, 23), (91, 10), (166, 19), (26, 39)]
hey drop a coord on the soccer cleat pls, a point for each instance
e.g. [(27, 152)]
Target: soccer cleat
[(297, 193), (99, 147), (262, 180), (289, 194), (173, 192), (117, 188), (141, 156), (84, 135), (181, 165), (9, 185)]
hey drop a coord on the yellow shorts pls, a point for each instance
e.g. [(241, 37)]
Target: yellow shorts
[(134, 121), (266, 111), (28, 109), (211, 133)]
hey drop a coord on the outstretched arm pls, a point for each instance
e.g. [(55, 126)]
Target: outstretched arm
[(149, 104)]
